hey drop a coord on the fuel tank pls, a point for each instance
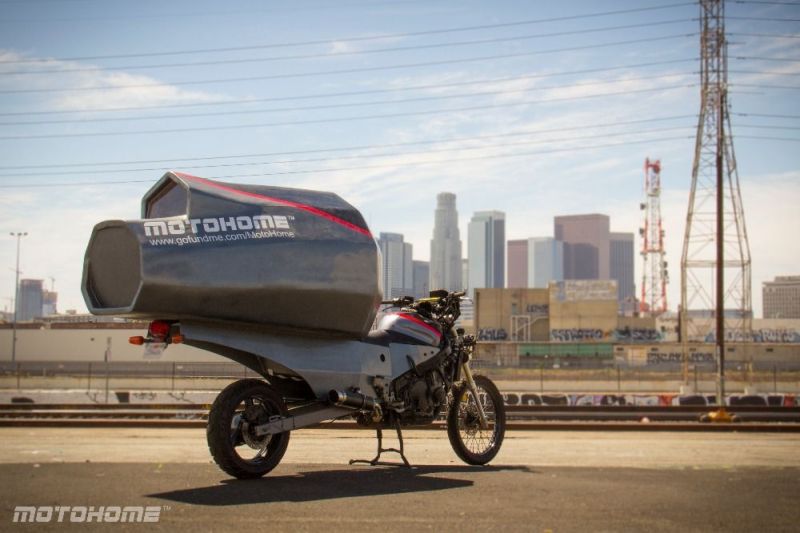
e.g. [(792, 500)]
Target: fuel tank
[(407, 327), (246, 253)]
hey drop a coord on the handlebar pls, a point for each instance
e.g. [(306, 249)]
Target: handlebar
[(407, 300)]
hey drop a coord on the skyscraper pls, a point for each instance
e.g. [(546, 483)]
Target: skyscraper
[(517, 276), (545, 261), (621, 258), (422, 277), (586, 241), (29, 305), (446, 245), (487, 250), (396, 266)]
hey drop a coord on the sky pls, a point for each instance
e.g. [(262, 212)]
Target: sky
[(536, 109)]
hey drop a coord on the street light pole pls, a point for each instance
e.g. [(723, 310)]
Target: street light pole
[(19, 236)]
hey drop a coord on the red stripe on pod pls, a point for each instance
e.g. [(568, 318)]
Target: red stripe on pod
[(307, 208), (416, 320)]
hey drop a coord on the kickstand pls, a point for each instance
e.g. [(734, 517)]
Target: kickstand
[(376, 460)]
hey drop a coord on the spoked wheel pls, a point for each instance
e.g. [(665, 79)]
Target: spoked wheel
[(474, 445), (232, 440)]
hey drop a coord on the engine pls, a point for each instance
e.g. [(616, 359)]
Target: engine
[(423, 396)]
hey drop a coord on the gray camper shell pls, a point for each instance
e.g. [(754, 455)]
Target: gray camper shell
[(254, 254)]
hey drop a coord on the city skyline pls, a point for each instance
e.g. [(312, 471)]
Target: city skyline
[(537, 110)]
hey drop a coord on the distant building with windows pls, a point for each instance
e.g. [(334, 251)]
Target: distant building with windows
[(29, 305), (517, 271), (621, 256), (781, 297), (396, 266), (445, 265), (586, 245), (49, 303), (545, 261), (421, 277), (487, 250)]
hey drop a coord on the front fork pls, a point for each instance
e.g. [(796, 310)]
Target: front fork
[(474, 390)]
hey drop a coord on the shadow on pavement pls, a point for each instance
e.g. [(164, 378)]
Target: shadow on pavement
[(329, 484)]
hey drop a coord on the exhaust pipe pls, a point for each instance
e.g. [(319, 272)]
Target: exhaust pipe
[(352, 400)]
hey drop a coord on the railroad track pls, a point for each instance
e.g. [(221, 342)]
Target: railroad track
[(538, 417)]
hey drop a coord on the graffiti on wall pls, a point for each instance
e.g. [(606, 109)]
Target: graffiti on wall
[(627, 334), (776, 335), (492, 334), (656, 358), (582, 290), (576, 334), (537, 309), (783, 335), (532, 398)]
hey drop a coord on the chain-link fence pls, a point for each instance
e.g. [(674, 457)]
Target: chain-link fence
[(546, 374)]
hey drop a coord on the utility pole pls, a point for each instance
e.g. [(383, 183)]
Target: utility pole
[(19, 236), (715, 240)]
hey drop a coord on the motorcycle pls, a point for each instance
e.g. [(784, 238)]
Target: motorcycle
[(207, 262)]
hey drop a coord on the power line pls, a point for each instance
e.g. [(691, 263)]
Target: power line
[(778, 35), (762, 86), (357, 156), (348, 53), (784, 59), (765, 115), (356, 147), (337, 105), (762, 19), (764, 72), (759, 137), (767, 127), (765, 2), (356, 93), (367, 167), (350, 70), (358, 38), (341, 119)]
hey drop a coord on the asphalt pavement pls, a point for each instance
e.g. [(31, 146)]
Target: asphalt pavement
[(588, 481)]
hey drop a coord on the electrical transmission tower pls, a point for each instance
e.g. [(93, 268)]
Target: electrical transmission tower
[(654, 271), (715, 264)]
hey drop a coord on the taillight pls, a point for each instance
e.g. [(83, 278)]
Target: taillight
[(158, 332), (159, 329)]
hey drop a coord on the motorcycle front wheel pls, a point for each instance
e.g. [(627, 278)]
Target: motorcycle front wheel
[(474, 445), (232, 440)]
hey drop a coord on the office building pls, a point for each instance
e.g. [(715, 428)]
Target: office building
[(30, 301), (445, 264), (486, 252), (545, 261), (421, 277), (621, 258), (586, 241), (396, 266), (781, 297), (517, 274)]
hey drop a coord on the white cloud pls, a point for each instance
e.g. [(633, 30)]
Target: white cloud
[(112, 87)]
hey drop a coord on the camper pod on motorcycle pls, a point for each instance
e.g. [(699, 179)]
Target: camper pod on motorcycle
[(285, 282)]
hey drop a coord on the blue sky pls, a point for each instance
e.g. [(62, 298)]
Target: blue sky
[(533, 108)]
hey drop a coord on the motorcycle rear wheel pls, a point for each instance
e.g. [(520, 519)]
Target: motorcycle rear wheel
[(472, 444), (232, 441)]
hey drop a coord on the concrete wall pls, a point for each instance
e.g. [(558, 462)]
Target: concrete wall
[(90, 345)]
